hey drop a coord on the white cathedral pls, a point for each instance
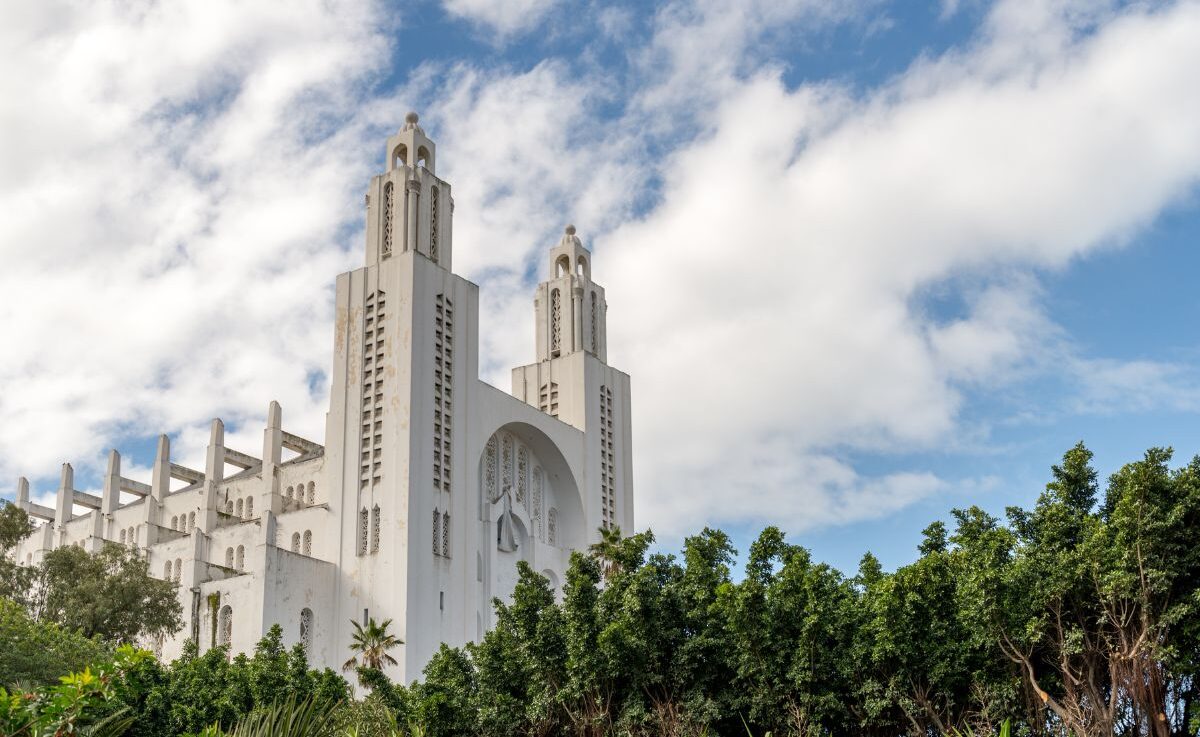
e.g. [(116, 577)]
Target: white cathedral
[(431, 484)]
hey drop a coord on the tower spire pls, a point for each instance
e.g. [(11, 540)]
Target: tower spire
[(408, 207), (570, 306)]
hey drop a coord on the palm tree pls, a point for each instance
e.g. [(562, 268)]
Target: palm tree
[(606, 552), (371, 643)]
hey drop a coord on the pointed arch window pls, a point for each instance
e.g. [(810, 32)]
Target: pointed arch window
[(239, 561), (225, 626), (238, 509), (375, 529), (175, 522), (389, 198), (306, 628), (122, 536), (249, 507), (555, 323), (446, 534), (489, 470), (311, 498), (167, 571), (191, 521), (522, 474), (306, 546), (506, 455), (229, 557), (178, 569), (363, 521), (434, 196), (595, 334), (437, 532), (295, 542), (552, 526), (536, 504)]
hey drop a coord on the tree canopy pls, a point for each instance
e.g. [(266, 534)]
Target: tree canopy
[(1079, 616)]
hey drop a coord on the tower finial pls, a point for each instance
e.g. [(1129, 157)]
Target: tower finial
[(570, 230), (410, 120)]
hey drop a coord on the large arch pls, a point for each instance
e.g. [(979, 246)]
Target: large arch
[(559, 479), (526, 535)]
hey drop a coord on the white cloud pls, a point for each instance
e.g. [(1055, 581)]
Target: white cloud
[(175, 197), (504, 17), (773, 288)]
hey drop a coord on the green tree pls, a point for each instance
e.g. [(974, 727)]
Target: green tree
[(940, 674), (606, 551), (110, 594), (81, 703), (443, 702), (15, 578), (520, 662), (197, 691), (793, 626), (370, 645), (35, 654)]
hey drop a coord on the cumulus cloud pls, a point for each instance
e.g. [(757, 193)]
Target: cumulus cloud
[(173, 205), (504, 17), (773, 288)]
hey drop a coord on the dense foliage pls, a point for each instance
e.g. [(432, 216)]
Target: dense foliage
[(195, 694), (1080, 616), (110, 595), (34, 653)]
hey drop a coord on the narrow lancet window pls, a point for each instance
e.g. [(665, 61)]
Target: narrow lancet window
[(225, 626), (522, 475), (489, 470), (595, 335), (555, 323), (435, 194), (306, 625), (388, 200)]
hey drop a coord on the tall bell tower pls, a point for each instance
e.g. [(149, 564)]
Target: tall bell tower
[(404, 356), (573, 382)]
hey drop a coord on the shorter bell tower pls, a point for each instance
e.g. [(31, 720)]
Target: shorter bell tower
[(573, 382)]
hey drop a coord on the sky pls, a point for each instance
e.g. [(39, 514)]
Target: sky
[(865, 261)]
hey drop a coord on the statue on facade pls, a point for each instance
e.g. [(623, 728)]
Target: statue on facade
[(506, 537)]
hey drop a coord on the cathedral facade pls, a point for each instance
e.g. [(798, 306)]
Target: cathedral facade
[(431, 484)]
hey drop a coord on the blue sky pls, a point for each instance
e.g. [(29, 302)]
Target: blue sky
[(866, 261)]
